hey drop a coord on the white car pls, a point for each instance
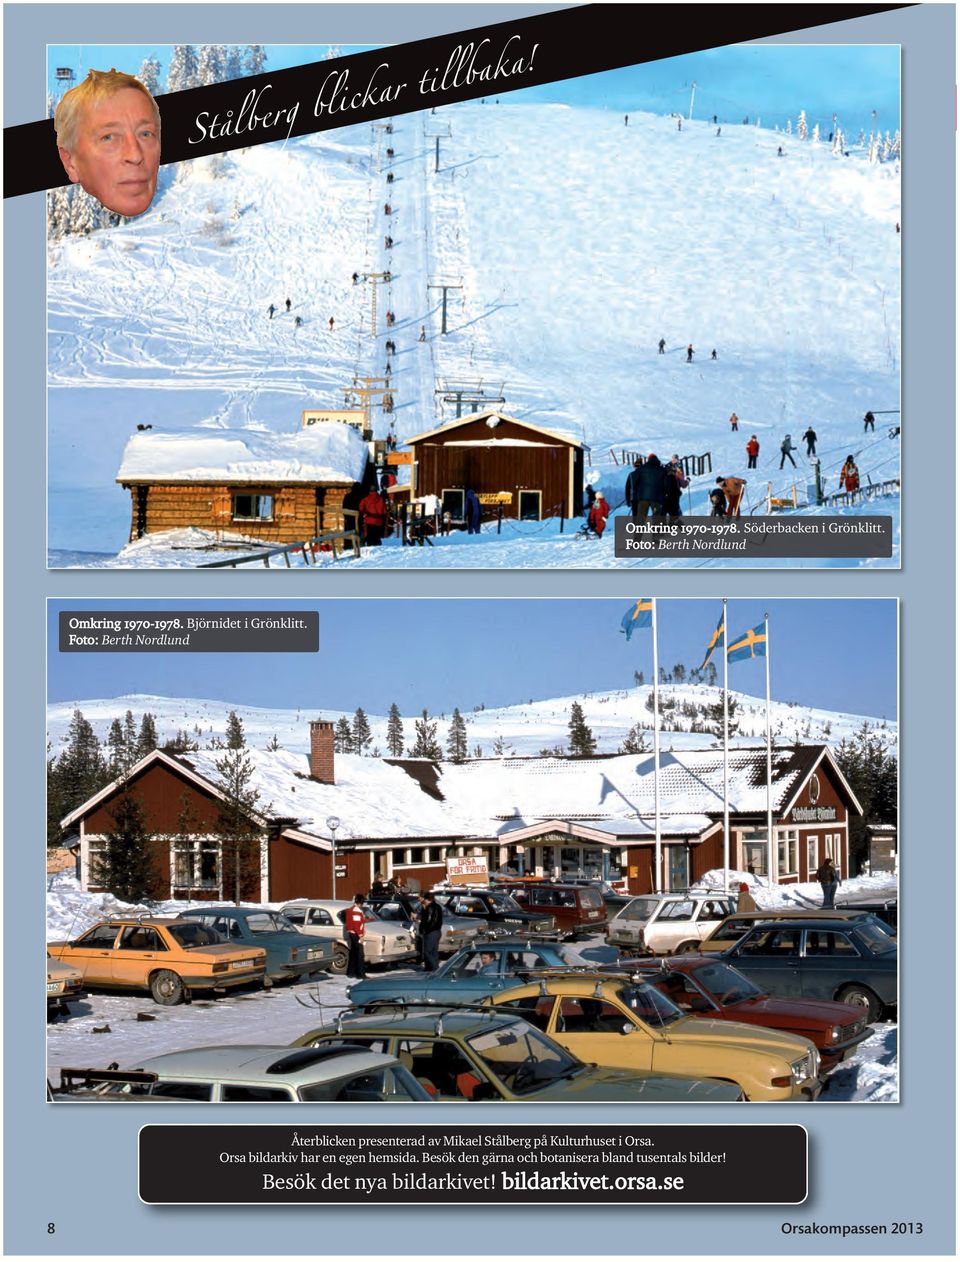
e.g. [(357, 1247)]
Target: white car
[(665, 924), (384, 942), (259, 1073)]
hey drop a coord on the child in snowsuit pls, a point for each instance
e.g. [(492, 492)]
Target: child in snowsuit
[(598, 515)]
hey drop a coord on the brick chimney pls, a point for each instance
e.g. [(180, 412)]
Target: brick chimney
[(321, 751)]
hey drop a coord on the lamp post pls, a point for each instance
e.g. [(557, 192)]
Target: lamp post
[(333, 823)]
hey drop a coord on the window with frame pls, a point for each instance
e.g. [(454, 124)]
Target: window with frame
[(196, 865), (812, 863), (788, 846), (251, 506)]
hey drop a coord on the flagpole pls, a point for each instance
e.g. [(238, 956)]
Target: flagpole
[(726, 790), (772, 874), (656, 754)]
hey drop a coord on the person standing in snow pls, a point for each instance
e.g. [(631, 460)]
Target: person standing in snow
[(297, 321), (810, 438), (355, 924), (679, 124), (626, 119), (745, 900), (829, 879), (599, 513), (288, 304), (423, 333), (753, 450), (718, 501), (850, 475), (330, 324), (661, 346), (733, 489), (473, 511), (734, 422), (589, 495), (647, 489), (786, 451), (270, 310), (373, 510), (690, 353), (674, 480), (868, 422)]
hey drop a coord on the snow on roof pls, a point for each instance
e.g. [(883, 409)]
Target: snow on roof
[(370, 797), (326, 452), (492, 417)]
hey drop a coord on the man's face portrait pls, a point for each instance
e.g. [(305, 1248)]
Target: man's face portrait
[(116, 152)]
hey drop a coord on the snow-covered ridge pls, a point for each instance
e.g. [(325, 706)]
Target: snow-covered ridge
[(523, 729)]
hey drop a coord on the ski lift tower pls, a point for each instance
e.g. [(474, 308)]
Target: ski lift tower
[(366, 390), (378, 278), (474, 396), (437, 136), (441, 282)]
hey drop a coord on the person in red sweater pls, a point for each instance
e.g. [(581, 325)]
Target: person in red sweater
[(753, 450), (355, 923), (599, 514), (374, 510)]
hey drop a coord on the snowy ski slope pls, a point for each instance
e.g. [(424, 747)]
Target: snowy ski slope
[(578, 242)]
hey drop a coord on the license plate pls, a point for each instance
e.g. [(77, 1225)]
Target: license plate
[(315, 953), (241, 963), (594, 915), (53, 987)]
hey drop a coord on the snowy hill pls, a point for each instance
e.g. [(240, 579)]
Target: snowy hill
[(578, 242), (520, 729)]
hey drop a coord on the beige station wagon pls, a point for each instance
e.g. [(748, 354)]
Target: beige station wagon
[(170, 957), (384, 941), (666, 924)]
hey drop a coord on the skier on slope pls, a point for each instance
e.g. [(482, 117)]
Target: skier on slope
[(734, 422), (810, 438), (270, 310), (753, 450), (786, 451), (288, 304), (690, 353), (868, 422), (850, 475), (661, 346)]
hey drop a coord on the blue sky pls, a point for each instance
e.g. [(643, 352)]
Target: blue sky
[(832, 654), (772, 82)]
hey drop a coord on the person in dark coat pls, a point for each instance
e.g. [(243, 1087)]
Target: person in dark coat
[(718, 501), (810, 438), (270, 310), (373, 508), (473, 511), (649, 485), (288, 304), (662, 346), (429, 927), (829, 879), (690, 353), (589, 494), (674, 481), (354, 924), (786, 451), (868, 422)]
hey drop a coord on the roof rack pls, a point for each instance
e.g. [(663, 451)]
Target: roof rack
[(72, 1079)]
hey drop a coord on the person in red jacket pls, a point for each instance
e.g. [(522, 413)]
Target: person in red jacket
[(599, 514), (355, 924), (373, 508), (753, 450)]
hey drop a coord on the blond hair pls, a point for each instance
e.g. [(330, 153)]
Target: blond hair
[(96, 87)]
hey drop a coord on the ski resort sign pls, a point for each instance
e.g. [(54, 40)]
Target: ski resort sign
[(356, 417), (813, 814)]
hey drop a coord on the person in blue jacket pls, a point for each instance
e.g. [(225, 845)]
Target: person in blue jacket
[(472, 510)]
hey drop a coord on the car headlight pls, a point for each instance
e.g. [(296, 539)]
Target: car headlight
[(807, 1066), (835, 1034)]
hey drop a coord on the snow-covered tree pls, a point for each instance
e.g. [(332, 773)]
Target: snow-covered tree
[(343, 736), (210, 64), (184, 66), (149, 74), (233, 62), (256, 59), (802, 125), (635, 741), (815, 135)]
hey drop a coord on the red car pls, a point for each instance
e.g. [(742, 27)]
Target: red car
[(713, 989)]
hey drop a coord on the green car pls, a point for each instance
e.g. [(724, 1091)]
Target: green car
[(467, 1055)]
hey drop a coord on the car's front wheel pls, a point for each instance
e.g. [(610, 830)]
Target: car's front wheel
[(861, 997), (167, 988), (340, 959)]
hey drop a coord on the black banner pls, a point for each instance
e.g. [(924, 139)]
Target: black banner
[(485, 61), (451, 1164)]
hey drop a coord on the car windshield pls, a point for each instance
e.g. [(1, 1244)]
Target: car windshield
[(503, 902), (725, 983), (646, 1002), (391, 911), (877, 943), (639, 909), (522, 1058), (269, 922), (193, 935)]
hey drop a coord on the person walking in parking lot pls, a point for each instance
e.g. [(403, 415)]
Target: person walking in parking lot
[(829, 879), (355, 923), (431, 922)]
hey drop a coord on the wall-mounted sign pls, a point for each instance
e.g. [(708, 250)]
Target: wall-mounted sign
[(340, 869), (356, 417), (495, 497), (466, 870), (399, 457), (814, 814)]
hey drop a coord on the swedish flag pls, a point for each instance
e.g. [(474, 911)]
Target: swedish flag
[(639, 615), (714, 641), (752, 643)]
